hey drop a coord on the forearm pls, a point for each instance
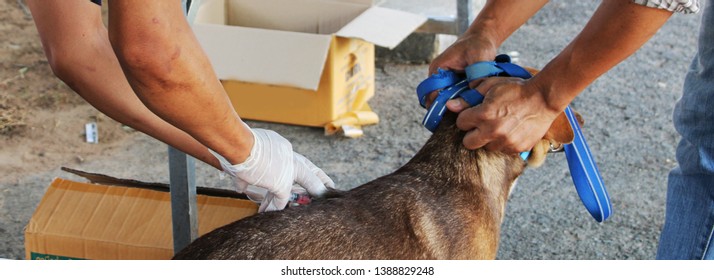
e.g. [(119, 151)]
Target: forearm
[(79, 53), (500, 18), (112, 95), (170, 73), (496, 21), (616, 30)]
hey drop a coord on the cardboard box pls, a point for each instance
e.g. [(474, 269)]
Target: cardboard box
[(304, 62), (88, 221)]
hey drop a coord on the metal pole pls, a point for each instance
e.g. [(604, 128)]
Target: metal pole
[(182, 182), (182, 179), (450, 25), (464, 15)]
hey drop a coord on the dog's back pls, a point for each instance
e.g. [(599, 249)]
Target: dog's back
[(446, 203)]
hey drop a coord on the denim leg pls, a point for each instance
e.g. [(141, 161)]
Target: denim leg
[(687, 232), (689, 217)]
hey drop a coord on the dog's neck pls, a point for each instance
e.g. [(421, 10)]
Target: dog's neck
[(487, 175)]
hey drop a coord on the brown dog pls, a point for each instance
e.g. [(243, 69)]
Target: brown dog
[(446, 203)]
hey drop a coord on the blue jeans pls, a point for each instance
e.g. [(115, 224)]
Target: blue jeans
[(688, 231)]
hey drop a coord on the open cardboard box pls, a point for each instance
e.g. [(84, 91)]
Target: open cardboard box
[(118, 219), (304, 62)]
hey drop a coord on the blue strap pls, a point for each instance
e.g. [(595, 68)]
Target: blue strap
[(442, 79), (585, 173), (483, 69), (438, 107), (583, 169)]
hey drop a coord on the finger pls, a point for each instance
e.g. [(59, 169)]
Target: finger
[(310, 177), (502, 136), (435, 66), (326, 180), (433, 69), (477, 131), (521, 139), (475, 83), (508, 146), (484, 85), (500, 144), (474, 139), (469, 118), (312, 184), (457, 105), (272, 203)]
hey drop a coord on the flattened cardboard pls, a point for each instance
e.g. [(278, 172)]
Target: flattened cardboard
[(88, 221)]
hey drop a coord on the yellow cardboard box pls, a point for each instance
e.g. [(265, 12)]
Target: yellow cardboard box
[(345, 86), (88, 221), (304, 62)]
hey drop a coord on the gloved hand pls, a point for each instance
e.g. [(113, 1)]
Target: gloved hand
[(274, 166)]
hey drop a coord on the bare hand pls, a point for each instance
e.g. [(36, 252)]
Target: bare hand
[(512, 118), (468, 49)]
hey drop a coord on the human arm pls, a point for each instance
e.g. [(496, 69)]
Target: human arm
[(516, 113), (168, 70), (177, 99), (496, 21), (79, 53)]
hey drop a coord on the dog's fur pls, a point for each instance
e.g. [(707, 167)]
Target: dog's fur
[(446, 203)]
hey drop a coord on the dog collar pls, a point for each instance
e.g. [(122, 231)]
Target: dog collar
[(583, 170)]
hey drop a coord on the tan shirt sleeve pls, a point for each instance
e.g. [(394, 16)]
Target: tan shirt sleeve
[(677, 6)]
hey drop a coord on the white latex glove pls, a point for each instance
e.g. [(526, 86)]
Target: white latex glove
[(272, 165)]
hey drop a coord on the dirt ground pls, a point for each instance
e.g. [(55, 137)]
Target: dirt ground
[(41, 118)]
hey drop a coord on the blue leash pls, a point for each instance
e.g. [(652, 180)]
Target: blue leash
[(583, 169)]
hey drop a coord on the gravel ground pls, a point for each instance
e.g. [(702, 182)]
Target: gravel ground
[(628, 126)]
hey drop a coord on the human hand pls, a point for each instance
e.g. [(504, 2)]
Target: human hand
[(512, 118), (272, 165), (468, 49)]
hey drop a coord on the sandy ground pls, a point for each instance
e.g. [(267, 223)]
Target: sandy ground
[(628, 125)]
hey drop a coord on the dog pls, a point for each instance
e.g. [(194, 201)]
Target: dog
[(447, 202)]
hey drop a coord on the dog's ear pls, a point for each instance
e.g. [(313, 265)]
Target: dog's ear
[(559, 133)]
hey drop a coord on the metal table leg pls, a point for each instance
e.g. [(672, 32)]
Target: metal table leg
[(449, 25), (182, 179), (182, 182)]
